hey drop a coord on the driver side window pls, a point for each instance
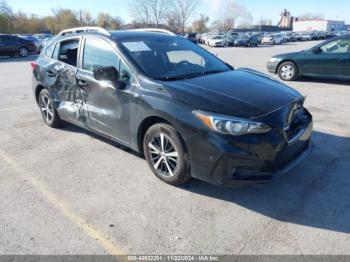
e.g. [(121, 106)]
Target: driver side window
[(336, 47), (99, 53)]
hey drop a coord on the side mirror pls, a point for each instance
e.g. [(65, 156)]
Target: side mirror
[(108, 73), (316, 50)]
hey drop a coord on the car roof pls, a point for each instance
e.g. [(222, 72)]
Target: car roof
[(122, 35)]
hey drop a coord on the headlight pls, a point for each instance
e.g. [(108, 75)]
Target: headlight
[(231, 125), (274, 59)]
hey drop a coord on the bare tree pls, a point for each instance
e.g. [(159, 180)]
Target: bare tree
[(184, 9), (232, 12), (149, 11), (85, 18), (159, 8), (5, 17), (173, 22), (200, 25), (105, 20), (4, 8)]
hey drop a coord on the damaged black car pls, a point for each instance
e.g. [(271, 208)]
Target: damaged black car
[(190, 114)]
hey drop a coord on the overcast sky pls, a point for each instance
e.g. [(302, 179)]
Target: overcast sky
[(268, 9)]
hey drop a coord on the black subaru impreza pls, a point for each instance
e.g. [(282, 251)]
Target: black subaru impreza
[(188, 112)]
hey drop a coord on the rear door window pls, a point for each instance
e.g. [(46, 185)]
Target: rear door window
[(9, 38), (68, 52), (49, 50), (56, 51)]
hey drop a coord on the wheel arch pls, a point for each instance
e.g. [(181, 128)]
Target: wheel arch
[(38, 89), (150, 121)]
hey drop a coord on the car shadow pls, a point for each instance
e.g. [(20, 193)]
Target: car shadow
[(76, 129), (7, 59), (315, 194), (323, 80)]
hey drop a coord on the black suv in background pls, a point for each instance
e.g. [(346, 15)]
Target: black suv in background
[(11, 45), (188, 112)]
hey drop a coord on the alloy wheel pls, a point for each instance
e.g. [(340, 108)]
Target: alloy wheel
[(163, 155), (23, 52), (47, 109)]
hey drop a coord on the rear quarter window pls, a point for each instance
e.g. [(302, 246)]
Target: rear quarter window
[(49, 50)]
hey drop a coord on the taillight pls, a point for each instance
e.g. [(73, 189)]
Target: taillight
[(33, 65)]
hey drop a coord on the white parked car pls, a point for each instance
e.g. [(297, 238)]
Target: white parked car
[(305, 36), (273, 39), (217, 41)]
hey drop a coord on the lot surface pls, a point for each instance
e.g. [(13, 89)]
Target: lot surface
[(65, 191)]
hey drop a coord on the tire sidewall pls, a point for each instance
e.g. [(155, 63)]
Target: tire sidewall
[(55, 121), (170, 132)]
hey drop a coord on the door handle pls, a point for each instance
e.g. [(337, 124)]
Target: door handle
[(51, 73)]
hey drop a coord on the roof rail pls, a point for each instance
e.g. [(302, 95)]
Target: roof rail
[(154, 30), (78, 30)]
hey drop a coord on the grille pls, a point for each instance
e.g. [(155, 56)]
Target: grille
[(296, 121)]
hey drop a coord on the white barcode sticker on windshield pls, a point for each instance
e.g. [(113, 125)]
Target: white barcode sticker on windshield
[(137, 46)]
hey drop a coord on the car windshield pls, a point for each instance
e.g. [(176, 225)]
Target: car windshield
[(171, 58)]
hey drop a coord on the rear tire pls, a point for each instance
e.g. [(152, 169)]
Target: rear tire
[(48, 110), (23, 52), (288, 71), (166, 154)]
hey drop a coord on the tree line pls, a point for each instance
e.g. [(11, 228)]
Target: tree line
[(22, 23), (174, 15)]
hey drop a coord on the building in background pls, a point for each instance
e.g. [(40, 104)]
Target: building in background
[(318, 25), (286, 20)]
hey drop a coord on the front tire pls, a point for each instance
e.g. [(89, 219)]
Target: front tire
[(48, 110), (166, 155), (288, 71)]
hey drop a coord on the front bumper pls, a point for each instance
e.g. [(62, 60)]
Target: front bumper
[(240, 43), (272, 66), (230, 161), (32, 48), (218, 44)]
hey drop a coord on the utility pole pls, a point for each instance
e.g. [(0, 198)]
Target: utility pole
[(80, 18)]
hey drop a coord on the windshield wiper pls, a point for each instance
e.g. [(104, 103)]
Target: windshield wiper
[(172, 78)]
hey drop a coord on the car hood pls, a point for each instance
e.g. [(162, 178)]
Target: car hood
[(288, 55), (243, 93)]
